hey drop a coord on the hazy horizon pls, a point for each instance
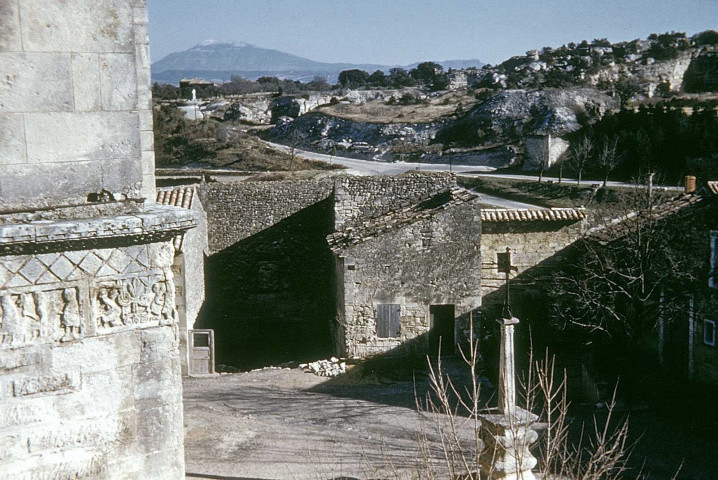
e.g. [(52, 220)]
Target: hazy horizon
[(402, 32)]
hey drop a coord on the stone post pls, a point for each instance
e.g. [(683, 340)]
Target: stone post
[(507, 434), (507, 379)]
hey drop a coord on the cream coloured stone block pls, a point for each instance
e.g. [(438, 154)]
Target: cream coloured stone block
[(142, 54), (147, 140), (118, 81), (144, 78), (68, 137), (148, 162), (122, 176), (12, 138), (144, 97), (77, 26), (86, 81), (139, 15), (145, 119), (63, 184), (10, 40), (31, 82), (148, 187)]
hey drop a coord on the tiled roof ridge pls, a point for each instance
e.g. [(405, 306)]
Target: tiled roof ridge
[(178, 196), (531, 214), (399, 217), (616, 228)]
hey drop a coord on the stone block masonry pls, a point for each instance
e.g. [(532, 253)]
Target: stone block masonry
[(238, 210), (89, 367), (359, 198), (75, 102), (429, 260), (90, 384)]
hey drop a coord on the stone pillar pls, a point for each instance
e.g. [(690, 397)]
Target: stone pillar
[(90, 384), (508, 435), (507, 375)]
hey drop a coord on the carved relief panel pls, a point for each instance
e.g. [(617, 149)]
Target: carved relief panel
[(61, 297), (41, 315), (131, 301)]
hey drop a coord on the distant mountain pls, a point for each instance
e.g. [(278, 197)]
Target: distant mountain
[(218, 61)]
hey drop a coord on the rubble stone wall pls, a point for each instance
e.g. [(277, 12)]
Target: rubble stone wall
[(238, 210), (89, 368), (531, 243), (435, 261), (359, 198), (75, 114)]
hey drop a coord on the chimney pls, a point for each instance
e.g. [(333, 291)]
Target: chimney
[(690, 184)]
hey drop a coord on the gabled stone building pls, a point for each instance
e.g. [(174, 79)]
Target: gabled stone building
[(190, 249), (409, 277)]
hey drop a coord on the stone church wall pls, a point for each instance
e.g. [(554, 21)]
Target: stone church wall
[(75, 106), (89, 367)]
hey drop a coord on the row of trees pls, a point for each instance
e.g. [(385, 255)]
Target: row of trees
[(429, 74), (241, 86), (658, 139)]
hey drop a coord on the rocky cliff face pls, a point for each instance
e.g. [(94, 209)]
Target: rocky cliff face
[(512, 114), (361, 139)]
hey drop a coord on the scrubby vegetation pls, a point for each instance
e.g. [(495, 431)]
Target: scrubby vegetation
[(212, 143)]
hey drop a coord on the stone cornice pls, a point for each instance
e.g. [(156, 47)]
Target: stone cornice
[(156, 223)]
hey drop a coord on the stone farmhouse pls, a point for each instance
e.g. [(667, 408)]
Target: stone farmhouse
[(362, 265)]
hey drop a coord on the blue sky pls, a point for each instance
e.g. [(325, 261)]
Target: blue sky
[(399, 32)]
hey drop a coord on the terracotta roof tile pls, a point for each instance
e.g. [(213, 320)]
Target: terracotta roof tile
[(182, 197), (532, 215), (622, 226)]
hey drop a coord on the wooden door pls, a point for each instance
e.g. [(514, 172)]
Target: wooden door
[(201, 352)]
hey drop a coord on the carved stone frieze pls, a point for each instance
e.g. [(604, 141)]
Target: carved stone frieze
[(131, 301), (41, 315)]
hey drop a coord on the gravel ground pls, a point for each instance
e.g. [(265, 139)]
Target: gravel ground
[(287, 424)]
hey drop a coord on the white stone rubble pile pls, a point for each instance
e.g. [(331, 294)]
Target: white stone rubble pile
[(325, 368)]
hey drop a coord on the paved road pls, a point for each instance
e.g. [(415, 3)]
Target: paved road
[(369, 167)]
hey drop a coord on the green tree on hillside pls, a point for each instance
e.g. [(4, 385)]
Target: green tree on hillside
[(353, 78)]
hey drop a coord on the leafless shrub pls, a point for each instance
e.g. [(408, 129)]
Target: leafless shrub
[(451, 415)]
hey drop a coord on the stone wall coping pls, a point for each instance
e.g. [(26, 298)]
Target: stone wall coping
[(156, 221)]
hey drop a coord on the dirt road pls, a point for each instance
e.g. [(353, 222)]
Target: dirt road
[(286, 424)]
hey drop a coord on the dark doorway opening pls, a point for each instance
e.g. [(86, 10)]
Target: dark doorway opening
[(441, 329)]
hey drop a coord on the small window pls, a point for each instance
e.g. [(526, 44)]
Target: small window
[(713, 274), (200, 340), (388, 320), (709, 332)]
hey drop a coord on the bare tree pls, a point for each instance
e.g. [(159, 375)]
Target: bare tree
[(608, 157), (295, 139), (628, 271), (541, 157), (579, 156)]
